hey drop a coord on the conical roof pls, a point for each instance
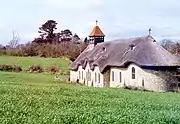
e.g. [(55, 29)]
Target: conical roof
[(96, 32)]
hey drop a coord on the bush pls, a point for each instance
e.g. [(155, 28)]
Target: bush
[(10, 68), (64, 73), (35, 68), (53, 69), (17, 69)]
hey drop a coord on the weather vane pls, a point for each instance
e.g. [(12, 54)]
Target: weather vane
[(96, 22), (150, 31)]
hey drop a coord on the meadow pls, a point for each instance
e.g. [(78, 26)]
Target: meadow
[(38, 99), (25, 62)]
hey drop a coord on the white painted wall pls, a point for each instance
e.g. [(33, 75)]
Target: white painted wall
[(126, 76), (81, 75), (73, 76), (98, 82)]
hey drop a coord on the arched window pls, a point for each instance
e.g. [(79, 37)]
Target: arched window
[(88, 75), (112, 75), (133, 73), (79, 75), (82, 75), (120, 76), (99, 77), (142, 82), (95, 77)]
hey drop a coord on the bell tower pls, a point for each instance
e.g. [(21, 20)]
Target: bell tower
[(96, 36)]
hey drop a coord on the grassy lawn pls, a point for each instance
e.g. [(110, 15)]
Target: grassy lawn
[(25, 62), (37, 99)]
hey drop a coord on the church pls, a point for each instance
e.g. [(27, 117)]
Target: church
[(137, 63)]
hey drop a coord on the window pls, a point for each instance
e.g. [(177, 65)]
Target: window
[(99, 77), (132, 46), (112, 75), (82, 75), (133, 73), (89, 75), (103, 49), (79, 75), (142, 82), (120, 80), (95, 77)]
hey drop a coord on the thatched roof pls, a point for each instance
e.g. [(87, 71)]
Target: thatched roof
[(143, 51)]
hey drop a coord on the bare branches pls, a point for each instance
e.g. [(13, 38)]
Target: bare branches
[(15, 40)]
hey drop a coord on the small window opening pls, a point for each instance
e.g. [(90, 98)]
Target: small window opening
[(82, 75), (95, 77), (133, 73), (112, 75), (79, 75), (120, 76), (142, 82), (99, 77), (103, 49), (88, 75), (132, 46)]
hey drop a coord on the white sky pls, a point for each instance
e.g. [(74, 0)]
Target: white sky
[(117, 18)]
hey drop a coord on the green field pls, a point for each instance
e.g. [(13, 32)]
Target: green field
[(38, 99), (25, 62)]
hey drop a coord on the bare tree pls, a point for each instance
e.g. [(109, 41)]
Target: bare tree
[(15, 40)]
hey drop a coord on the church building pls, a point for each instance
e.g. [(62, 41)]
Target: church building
[(138, 63)]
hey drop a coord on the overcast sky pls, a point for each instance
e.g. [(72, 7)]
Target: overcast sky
[(117, 18)]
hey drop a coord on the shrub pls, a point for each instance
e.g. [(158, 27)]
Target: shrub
[(64, 73), (35, 68), (6, 68), (10, 68), (68, 50), (53, 69), (17, 69)]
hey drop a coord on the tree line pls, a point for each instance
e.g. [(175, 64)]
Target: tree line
[(48, 44)]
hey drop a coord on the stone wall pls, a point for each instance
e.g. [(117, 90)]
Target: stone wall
[(161, 81), (144, 79), (107, 78)]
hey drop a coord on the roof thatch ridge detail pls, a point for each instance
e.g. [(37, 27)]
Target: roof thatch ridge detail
[(143, 51)]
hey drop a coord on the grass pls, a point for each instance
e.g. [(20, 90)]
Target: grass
[(37, 99), (25, 62)]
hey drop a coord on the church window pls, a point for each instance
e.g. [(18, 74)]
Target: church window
[(82, 75), (89, 75), (79, 75), (112, 75), (120, 76), (95, 77), (133, 73), (99, 77), (142, 82)]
